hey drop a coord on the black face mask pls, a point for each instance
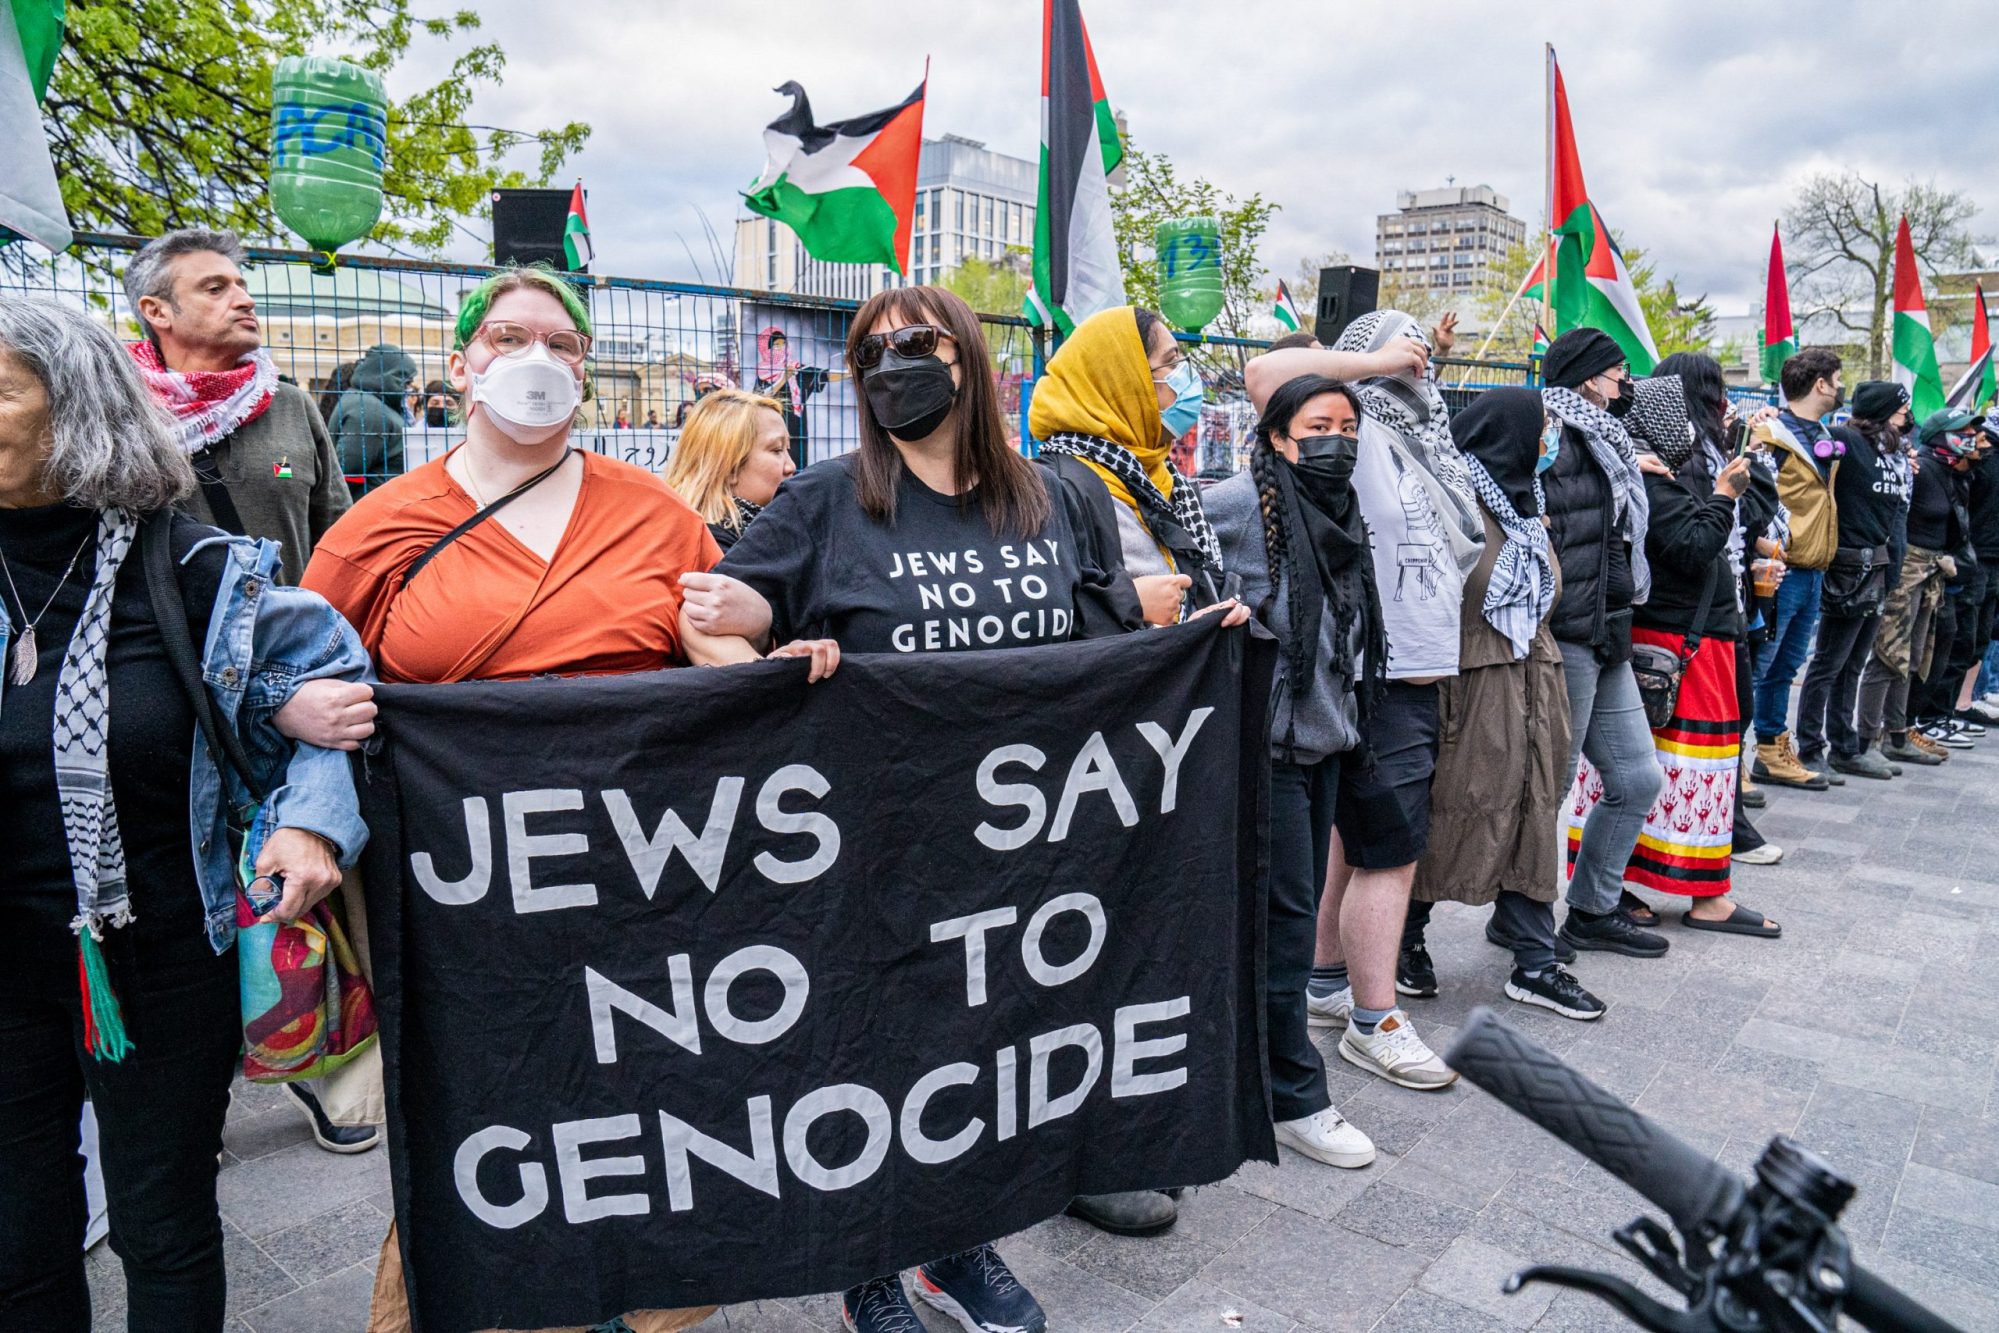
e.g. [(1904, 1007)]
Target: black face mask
[(1839, 400), (437, 416), (1324, 470), (910, 397), (1627, 394)]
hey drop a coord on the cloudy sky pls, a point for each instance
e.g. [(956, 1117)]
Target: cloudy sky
[(1694, 117)]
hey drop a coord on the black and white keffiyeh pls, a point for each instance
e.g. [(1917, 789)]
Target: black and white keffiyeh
[(83, 740), (1522, 587), (1412, 409), (746, 511), (1182, 510), (1610, 445)]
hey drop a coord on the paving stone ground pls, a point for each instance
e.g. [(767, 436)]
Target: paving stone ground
[(1870, 1033)]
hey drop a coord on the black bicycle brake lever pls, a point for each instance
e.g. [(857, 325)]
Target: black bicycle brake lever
[(1636, 1305)]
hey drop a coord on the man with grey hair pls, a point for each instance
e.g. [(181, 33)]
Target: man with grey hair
[(266, 463)]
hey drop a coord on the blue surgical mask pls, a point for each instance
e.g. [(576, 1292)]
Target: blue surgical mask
[(1185, 381), (1551, 447)]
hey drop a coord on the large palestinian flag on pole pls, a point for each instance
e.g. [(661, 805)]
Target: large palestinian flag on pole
[(1780, 336), (1076, 266), (1592, 285), (1914, 349), (848, 188), (31, 35), (1974, 389)]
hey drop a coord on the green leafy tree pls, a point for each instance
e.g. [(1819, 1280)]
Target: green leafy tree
[(1155, 192), (991, 286), (159, 114), (1839, 239)]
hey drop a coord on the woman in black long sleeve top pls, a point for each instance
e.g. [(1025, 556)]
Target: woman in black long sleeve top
[(1695, 548)]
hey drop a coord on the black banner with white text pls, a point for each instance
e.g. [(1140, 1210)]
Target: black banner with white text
[(710, 985)]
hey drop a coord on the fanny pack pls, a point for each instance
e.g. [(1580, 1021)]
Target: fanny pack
[(1659, 670), (1856, 582)]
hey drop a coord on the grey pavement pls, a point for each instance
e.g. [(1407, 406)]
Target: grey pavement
[(1870, 1033)]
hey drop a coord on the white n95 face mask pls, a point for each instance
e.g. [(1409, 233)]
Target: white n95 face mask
[(531, 397)]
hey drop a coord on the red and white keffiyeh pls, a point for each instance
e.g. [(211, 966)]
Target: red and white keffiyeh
[(207, 405)]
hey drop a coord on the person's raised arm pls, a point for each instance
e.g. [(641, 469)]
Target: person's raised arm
[(1264, 373)]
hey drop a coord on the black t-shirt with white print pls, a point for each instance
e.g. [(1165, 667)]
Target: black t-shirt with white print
[(936, 579)]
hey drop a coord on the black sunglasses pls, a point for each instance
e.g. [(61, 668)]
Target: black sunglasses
[(912, 341)]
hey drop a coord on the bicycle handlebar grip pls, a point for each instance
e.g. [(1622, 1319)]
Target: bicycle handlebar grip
[(1873, 1303), (1691, 1189)]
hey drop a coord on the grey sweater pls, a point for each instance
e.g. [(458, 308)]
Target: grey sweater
[(1319, 720)]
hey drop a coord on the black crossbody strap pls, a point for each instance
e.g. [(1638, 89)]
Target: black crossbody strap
[(416, 566), (1692, 642), (221, 506), (170, 613)]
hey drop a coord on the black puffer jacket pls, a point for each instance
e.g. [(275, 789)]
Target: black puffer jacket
[(1596, 560), (1985, 510), (1686, 543)]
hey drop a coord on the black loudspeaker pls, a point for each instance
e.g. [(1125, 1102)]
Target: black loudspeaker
[(1346, 292), (527, 227)]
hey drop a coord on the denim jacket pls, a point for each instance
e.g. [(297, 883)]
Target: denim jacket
[(264, 641)]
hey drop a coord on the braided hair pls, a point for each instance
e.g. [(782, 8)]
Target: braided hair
[(1350, 595)]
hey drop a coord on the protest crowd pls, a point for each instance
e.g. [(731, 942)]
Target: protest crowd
[(1544, 655)]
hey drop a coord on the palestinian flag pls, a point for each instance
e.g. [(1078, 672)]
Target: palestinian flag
[(849, 188), (1915, 350), (1076, 267), (1592, 285), (1780, 336), (31, 35), (1540, 339), (1534, 287), (1974, 389), (1285, 311), (576, 234)]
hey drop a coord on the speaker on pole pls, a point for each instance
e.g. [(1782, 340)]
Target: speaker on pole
[(1346, 292), (527, 227)]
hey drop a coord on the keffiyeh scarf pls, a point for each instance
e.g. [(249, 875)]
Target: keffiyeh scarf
[(1611, 447), (1522, 587), (1182, 510), (746, 512), (207, 405)]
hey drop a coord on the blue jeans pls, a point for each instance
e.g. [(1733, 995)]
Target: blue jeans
[(1607, 723), (1988, 675), (1797, 615)]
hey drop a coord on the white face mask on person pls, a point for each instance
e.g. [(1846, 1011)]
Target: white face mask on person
[(530, 397)]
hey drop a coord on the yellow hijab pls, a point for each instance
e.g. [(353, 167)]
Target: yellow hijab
[(1100, 383)]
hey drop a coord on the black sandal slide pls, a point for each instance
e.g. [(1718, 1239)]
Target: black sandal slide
[(1634, 907), (1742, 921)]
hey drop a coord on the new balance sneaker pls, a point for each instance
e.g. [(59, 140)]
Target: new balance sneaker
[(1768, 854), (879, 1306), (1325, 1136), (1329, 1011), (331, 1137), (1394, 1052), (977, 1289), (1614, 933), (1553, 988), (1564, 951), (1415, 974)]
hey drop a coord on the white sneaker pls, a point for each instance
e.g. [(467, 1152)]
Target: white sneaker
[(1768, 854), (1396, 1053), (1331, 1011), (1983, 708), (1326, 1136)]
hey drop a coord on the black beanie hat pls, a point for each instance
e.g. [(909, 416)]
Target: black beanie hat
[(1877, 400), (1577, 355)]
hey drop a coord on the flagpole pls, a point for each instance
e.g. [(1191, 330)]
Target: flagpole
[(1548, 181), (1497, 325)]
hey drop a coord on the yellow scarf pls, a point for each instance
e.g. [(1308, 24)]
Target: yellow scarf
[(1100, 383)]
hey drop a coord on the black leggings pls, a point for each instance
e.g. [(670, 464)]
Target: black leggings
[(159, 1115)]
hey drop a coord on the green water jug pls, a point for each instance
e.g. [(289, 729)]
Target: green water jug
[(1190, 270), (329, 144)]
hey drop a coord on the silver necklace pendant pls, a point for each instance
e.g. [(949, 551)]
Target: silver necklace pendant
[(26, 658)]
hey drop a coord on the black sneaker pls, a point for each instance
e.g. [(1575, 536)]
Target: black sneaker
[(1614, 933), (879, 1307), (977, 1289), (332, 1137), (1415, 974), (1968, 722), (1564, 952), (1554, 988)]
